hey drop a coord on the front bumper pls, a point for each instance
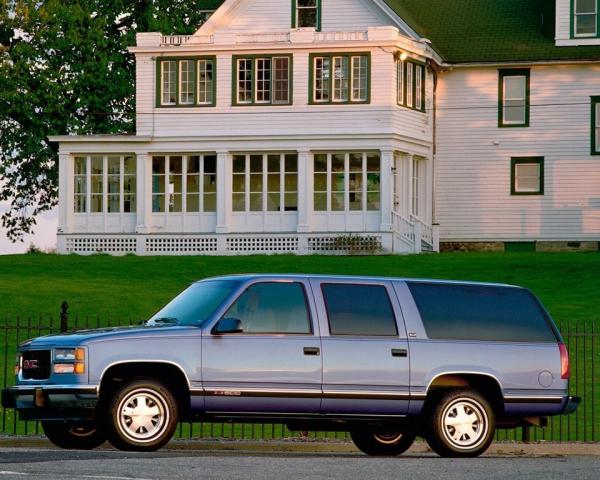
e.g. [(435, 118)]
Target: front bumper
[(48, 402), (571, 405)]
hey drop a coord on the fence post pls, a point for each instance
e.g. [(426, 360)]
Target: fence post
[(64, 316)]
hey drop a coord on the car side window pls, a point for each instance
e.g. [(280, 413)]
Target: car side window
[(272, 307), (359, 310)]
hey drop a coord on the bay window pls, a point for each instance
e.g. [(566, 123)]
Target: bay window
[(186, 82), (262, 80), (411, 83), (342, 78)]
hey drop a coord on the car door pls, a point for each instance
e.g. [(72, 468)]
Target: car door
[(274, 364), (366, 368)]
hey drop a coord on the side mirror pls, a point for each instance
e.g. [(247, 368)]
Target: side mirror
[(228, 325)]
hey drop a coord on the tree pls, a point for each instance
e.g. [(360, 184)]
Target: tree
[(64, 69)]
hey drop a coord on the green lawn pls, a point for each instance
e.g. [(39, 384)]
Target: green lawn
[(134, 287)]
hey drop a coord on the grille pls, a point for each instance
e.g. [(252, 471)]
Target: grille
[(36, 365)]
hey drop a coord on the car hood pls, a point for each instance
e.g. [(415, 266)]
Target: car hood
[(80, 337)]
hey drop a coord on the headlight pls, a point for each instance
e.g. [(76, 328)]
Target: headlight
[(69, 360)]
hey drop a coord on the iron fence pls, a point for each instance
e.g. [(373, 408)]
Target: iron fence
[(581, 338)]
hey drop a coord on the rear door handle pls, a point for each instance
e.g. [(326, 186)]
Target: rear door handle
[(399, 352), (314, 351)]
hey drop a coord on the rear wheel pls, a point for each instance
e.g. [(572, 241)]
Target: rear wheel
[(380, 443), (461, 424), (74, 436), (142, 416)]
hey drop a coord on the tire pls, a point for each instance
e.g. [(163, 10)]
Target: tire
[(382, 444), (470, 435), (142, 416), (74, 436)]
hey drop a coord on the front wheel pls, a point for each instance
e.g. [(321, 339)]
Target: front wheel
[(382, 444), (73, 436), (142, 416), (461, 424)]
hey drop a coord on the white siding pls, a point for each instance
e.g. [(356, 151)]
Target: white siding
[(341, 15), (473, 200), (563, 19)]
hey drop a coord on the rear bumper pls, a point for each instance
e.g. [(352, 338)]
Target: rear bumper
[(571, 405), (47, 402)]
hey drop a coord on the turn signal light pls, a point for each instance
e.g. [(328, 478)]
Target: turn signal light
[(565, 369)]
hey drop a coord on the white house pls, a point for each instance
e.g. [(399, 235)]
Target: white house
[(309, 126)]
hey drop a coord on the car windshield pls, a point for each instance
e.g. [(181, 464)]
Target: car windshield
[(195, 304)]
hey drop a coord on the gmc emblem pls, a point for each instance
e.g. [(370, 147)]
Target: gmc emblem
[(30, 364)]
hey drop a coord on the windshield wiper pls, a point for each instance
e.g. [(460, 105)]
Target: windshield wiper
[(161, 321)]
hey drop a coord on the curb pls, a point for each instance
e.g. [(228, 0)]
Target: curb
[(331, 447)]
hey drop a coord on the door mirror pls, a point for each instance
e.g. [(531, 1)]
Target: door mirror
[(228, 325)]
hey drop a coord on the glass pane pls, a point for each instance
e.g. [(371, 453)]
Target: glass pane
[(80, 165), (263, 80), (80, 185), (129, 164), (340, 79), (586, 24), (320, 202), (373, 181), (129, 203), (97, 184), (210, 202), (187, 82), (114, 184), (373, 163), (176, 165), (281, 86), (193, 184), (97, 204), (256, 182), (205, 81), (585, 6), (359, 310), (158, 165), (291, 182), (272, 308), (337, 182), (274, 182), (158, 203), (355, 182), (359, 78), (239, 202), (373, 201), (129, 184), (356, 162), (210, 183), (465, 312), (239, 183), (273, 202), (274, 163), (114, 203), (527, 184), (175, 203), (114, 165), (210, 164), (320, 182), (256, 202), (256, 163), (193, 164), (322, 80), (515, 88), (320, 163), (80, 204), (97, 165), (193, 203), (291, 202), (158, 184), (515, 111), (239, 163), (245, 78), (175, 184), (356, 201), (291, 163), (337, 162), (337, 202), (307, 17)]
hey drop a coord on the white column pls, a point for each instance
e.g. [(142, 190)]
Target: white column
[(144, 193), (224, 192), (305, 191), (387, 190), (65, 200), (409, 184)]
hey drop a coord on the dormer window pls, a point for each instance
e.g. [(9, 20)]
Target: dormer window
[(585, 18), (306, 14)]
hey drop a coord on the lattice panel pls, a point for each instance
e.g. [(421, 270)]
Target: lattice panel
[(262, 244), (101, 245), (175, 245), (345, 244)]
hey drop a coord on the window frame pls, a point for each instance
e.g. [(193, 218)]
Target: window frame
[(518, 72), (303, 287), (104, 177), (254, 57), (574, 34), (350, 335), (312, 78), (514, 161), (402, 80), (178, 61), (295, 15), (595, 125)]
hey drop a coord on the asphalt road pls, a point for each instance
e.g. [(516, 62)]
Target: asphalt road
[(49, 464)]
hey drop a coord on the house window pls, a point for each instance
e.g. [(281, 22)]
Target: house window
[(585, 18), (527, 176), (513, 107), (306, 14), (105, 184), (184, 183), (417, 179), (347, 182), (187, 82), (340, 78), (595, 125), (262, 80), (411, 84), (265, 182)]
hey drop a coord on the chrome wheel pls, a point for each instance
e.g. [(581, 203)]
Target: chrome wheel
[(465, 424), (143, 415)]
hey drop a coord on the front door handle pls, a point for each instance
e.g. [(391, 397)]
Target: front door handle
[(399, 352), (314, 351)]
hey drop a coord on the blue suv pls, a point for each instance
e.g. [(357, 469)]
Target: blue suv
[(386, 359)]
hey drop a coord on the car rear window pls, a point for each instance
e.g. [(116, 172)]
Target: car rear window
[(359, 310), (474, 312)]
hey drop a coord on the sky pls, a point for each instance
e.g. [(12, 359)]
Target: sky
[(44, 236)]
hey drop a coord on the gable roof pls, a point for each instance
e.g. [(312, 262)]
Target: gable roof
[(475, 31)]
